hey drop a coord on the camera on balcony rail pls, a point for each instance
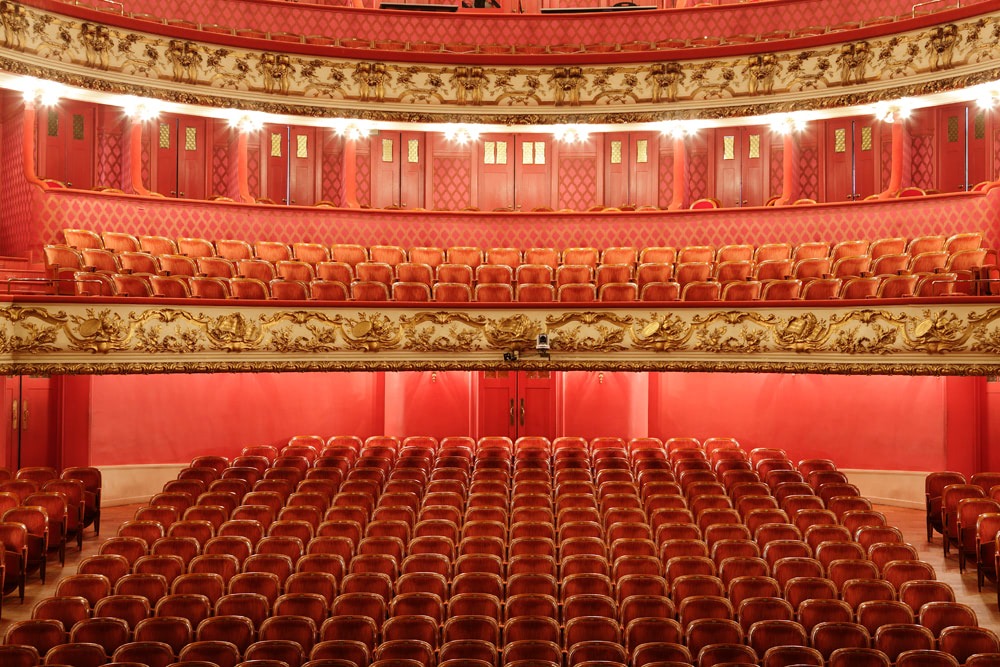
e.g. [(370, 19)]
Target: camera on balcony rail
[(542, 343)]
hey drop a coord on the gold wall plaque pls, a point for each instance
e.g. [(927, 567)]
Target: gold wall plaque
[(78, 126), (489, 152), (190, 138), (642, 151), (952, 129), (413, 150), (275, 145), (754, 146), (164, 135), (387, 150), (301, 146), (528, 153), (501, 152)]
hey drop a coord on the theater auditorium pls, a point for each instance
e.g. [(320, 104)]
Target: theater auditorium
[(534, 333)]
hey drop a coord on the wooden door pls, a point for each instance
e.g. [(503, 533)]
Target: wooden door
[(65, 144), (397, 161), (275, 145), (534, 172), (980, 155), (616, 169), (517, 403), (755, 148), (741, 166), (644, 153), (728, 166), (302, 185), (952, 147), (496, 171), (866, 172), (181, 150), (630, 169), (839, 145), (27, 420)]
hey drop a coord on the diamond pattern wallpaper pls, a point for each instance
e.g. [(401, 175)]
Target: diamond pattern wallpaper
[(578, 187), (452, 176), (666, 178), (922, 162), (809, 173), (16, 229), (109, 161), (58, 209), (220, 171), (333, 178), (313, 19), (776, 176)]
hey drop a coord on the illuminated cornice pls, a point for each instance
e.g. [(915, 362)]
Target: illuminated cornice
[(957, 61)]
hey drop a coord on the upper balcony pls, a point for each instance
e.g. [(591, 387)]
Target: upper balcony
[(712, 62)]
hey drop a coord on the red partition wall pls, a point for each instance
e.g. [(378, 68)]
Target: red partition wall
[(606, 403), (140, 419), (435, 403), (874, 423), (943, 214)]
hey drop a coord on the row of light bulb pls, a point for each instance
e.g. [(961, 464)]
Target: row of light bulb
[(48, 93)]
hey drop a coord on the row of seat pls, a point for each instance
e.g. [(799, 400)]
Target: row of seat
[(967, 515), (348, 519), (180, 287), (40, 509), (473, 256)]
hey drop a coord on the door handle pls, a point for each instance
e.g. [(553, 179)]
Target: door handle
[(511, 411), (180, 194), (14, 415), (173, 192), (24, 414), (522, 412)]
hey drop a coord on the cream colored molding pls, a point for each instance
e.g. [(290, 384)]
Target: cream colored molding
[(88, 337), (110, 59), (897, 488), (130, 484)]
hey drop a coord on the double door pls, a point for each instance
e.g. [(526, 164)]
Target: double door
[(397, 167), (515, 172), (66, 143), (517, 403), (741, 158), (963, 148), (181, 155), (30, 438), (850, 160), (288, 168), (630, 169)]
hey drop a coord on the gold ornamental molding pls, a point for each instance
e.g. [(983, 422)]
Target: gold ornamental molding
[(83, 337), (110, 59)]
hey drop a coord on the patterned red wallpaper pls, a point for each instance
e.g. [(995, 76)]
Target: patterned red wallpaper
[(941, 214), (578, 187), (693, 22), (18, 237), (452, 180)]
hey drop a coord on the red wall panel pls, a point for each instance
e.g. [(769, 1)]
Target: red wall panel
[(139, 419), (605, 403), (430, 403), (875, 423)]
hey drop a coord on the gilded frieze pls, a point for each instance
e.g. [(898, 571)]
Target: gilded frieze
[(113, 59), (126, 338)]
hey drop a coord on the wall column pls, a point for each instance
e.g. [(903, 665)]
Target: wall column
[(680, 174)]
